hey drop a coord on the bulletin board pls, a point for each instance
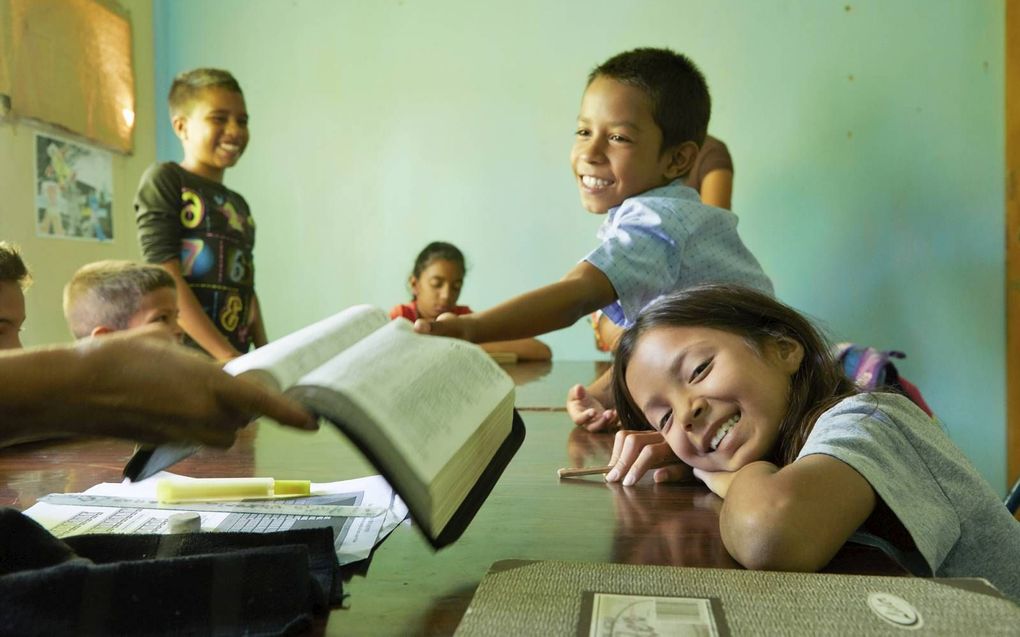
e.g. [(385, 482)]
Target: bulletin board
[(68, 63)]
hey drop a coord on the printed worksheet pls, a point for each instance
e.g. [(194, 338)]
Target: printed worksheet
[(354, 537)]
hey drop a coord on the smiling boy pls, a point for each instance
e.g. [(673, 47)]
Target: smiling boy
[(194, 227), (643, 117)]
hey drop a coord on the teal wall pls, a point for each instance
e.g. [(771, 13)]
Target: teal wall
[(867, 136)]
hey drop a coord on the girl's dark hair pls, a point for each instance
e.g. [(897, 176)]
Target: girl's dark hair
[(435, 251), (758, 318)]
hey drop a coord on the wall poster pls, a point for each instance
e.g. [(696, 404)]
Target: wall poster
[(74, 190)]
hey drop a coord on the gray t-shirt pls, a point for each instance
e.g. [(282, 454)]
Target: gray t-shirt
[(959, 525)]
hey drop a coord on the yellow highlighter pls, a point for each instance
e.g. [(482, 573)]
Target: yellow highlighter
[(169, 490)]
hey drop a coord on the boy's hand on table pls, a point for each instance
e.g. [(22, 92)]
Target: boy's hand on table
[(586, 411), (637, 452)]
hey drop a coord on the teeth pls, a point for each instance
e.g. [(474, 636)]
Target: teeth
[(594, 182), (723, 430)]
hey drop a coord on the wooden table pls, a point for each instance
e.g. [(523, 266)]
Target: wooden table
[(406, 588)]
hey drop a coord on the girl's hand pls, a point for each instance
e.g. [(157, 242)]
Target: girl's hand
[(717, 481), (635, 452)]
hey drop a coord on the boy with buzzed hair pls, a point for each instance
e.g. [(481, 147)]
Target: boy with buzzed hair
[(643, 117), (197, 229), (109, 296), (14, 280)]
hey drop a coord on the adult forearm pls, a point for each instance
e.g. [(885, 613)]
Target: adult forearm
[(40, 392)]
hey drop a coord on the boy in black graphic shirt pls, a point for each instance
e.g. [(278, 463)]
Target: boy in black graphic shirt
[(197, 229)]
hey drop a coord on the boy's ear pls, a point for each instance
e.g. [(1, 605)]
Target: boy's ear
[(681, 159), (789, 354), (99, 330), (180, 126)]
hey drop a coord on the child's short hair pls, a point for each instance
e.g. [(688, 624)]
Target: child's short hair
[(681, 105), (108, 293), (12, 267), (189, 84), (817, 384), (435, 251)]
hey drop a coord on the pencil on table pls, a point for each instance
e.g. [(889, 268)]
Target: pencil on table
[(573, 472)]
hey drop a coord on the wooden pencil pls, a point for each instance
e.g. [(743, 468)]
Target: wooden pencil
[(573, 472)]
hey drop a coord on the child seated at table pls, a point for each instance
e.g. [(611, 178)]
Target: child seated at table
[(436, 282), (14, 278), (108, 296), (744, 391)]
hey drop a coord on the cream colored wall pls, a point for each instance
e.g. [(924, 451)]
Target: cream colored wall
[(52, 261)]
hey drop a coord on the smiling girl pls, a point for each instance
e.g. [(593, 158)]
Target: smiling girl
[(744, 391)]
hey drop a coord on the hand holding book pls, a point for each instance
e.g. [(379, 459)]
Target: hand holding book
[(435, 415)]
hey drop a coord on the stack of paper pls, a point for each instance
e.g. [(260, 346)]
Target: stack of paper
[(355, 537)]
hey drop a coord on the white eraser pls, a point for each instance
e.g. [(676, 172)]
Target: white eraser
[(187, 522)]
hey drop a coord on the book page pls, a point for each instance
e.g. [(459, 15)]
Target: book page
[(288, 358), (426, 394)]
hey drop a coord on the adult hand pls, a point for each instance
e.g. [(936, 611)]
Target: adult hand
[(587, 411), (159, 392), (136, 385), (636, 452)]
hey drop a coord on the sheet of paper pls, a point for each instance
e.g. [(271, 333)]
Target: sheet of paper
[(354, 537)]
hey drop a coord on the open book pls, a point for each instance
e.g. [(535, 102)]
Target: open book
[(435, 415)]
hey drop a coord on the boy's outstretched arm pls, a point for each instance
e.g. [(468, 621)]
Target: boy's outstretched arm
[(193, 319), (584, 289)]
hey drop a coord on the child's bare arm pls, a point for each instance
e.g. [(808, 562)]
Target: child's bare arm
[(258, 327), (193, 319), (552, 307), (717, 188), (592, 407), (526, 349), (795, 518)]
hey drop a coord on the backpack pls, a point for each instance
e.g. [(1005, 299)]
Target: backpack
[(872, 369)]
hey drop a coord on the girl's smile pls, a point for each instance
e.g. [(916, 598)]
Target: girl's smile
[(716, 399)]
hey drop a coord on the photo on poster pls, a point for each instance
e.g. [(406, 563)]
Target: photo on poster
[(74, 190)]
